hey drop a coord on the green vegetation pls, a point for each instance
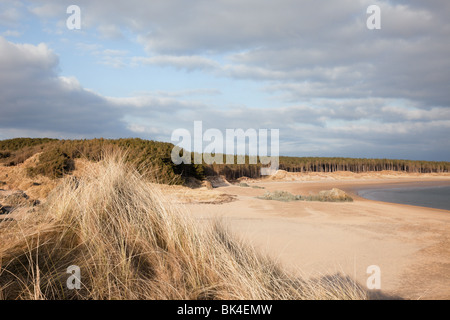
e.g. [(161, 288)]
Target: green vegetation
[(57, 158), (298, 164), (311, 164), (257, 187), (4, 155), (333, 195), (53, 163), (21, 143), (280, 196), (16, 151)]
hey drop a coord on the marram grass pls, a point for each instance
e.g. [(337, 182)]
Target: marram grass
[(131, 242)]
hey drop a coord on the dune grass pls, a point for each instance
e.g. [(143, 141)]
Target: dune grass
[(280, 196), (244, 185), (131, 242), (333, 195)]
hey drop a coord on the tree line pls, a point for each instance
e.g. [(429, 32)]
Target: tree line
[(57, 158), (305, 164)]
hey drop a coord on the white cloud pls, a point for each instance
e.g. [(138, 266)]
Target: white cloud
[(34, 98), (182, 93), (11, 33), (89, 47), (325, 43), (49, 10), (10, 13), (110, 31), (188, 63)]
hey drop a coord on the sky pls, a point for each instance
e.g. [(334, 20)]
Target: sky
[(311, 69)]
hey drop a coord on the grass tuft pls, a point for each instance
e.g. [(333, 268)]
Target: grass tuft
[(280, 196), (333, 195)]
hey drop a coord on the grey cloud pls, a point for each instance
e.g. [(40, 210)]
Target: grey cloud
[(331, 130), (34, 97), (10, 13), (321, 42)]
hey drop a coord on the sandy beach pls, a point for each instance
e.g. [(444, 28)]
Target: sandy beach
[(410, 244)]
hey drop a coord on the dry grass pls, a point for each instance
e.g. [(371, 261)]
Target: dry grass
[(280, 196), (130, 242), (333, 195), (16, 178)]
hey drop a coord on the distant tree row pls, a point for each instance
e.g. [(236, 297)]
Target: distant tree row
[(57, 158), (316, 164), (297, 164)]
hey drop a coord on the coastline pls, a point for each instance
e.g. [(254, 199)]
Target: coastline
[(410, 244), (423, 195)]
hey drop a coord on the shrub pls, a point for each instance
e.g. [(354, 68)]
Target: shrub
[(53, 163), (333, 195), (257, 187), (280, 196), (5, 154)]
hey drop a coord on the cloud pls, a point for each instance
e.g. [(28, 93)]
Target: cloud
[(11, 33), (182, 93), (10, 13), (108, 57), (188, 63), (322, 48), (113, 58), (34, 97), (88, 47), (48, 10), (330, 128), (110, 31)]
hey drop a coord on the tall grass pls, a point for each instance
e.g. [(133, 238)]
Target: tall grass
[(131, 242)]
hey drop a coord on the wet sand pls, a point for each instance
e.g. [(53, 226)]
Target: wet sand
[(410, 244)]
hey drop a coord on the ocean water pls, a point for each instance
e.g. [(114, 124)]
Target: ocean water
[(432, 197)]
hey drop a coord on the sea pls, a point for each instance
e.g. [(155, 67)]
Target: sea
[(431, 196)]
